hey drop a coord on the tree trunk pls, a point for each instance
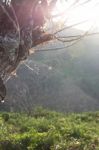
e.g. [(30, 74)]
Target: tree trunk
[(20, 30)]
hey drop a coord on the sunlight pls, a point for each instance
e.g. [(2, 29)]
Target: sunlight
[(71, 13)]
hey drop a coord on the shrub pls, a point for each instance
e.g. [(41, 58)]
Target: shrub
[(5, 117), (45, 143), (40, 112), (75, 133), (23, 129)]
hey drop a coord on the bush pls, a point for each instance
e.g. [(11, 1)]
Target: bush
[(24, 129), (45, 143), (40, 112), (5, 117)]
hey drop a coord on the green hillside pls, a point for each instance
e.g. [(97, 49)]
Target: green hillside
[(66, 81), (49, 130)]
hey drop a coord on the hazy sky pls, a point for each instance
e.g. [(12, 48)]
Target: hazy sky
[(72, 14)]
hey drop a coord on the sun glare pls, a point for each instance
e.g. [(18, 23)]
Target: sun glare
[(72, 14)]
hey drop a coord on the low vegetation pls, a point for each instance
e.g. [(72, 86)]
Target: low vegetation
[(49, 130)]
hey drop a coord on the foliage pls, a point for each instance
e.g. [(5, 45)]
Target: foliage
[(49, 131), (5, 117)]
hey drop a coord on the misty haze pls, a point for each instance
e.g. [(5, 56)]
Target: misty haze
[(65, 80)]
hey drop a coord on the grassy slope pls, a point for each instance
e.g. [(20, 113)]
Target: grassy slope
[(48, 130)]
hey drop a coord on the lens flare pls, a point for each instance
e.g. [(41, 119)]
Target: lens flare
[(72, 13)]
